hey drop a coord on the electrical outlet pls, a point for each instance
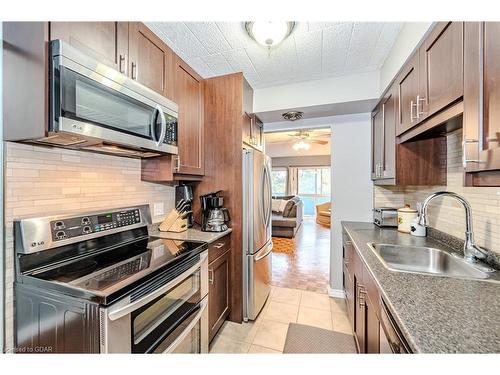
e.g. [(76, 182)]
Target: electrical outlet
[(158, 209)]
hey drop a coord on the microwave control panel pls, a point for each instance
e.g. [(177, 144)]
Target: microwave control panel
[(171, 134), (84, 225)]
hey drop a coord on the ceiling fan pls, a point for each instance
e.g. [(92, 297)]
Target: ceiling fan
[(308, 137)]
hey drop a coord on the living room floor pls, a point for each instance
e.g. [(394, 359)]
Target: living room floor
[(307, 268)]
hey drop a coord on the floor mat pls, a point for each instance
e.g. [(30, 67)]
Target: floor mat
[(283, 245), (306, 339)]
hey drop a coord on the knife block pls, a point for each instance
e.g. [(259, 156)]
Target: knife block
[(173, 223)]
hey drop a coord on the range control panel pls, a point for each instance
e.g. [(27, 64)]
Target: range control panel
[(83, 225)]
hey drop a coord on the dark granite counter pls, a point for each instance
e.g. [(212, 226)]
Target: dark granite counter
[(435, 314)]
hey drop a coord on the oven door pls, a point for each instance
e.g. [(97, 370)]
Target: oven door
[(189, 337), (161, 319), (93, 101)]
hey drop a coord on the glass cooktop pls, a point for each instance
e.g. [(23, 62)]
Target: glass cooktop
[(109, 271)]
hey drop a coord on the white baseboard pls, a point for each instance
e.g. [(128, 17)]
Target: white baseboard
[(335, 293)]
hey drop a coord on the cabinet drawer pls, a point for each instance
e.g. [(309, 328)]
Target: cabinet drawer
[(218, 247)]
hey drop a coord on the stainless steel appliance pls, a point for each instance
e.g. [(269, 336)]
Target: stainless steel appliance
[(214, 217), (94, 107), (98, 283), (257, 243), (391, 339), (385, 216), (184, 201)]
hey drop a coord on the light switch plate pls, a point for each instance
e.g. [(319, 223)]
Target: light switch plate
[(158, 209)]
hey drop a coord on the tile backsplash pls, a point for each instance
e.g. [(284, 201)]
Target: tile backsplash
[(42, 181), (447, 214)]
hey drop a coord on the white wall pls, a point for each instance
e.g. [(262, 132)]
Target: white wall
[(409, 36), (2, 247), (360, 86), (352, 188)]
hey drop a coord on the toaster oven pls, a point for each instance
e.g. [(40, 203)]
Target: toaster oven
[(385, 216)]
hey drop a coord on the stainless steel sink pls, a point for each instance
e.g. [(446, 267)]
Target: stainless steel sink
[(428, 260)]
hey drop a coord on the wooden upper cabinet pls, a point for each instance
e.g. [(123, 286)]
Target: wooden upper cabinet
[(377, 136), (106, 42), (407, 91), (384, 137), (151, 61), (389, 109), (246, 132), (189, 97), (481, 97), (441, 68)]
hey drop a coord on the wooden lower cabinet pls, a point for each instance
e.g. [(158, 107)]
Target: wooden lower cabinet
[(363, 300), (218, 290)]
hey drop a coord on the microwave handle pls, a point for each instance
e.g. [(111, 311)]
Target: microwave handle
[(127, 309), (188, 329), (163, 132)]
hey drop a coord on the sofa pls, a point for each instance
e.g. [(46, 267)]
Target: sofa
[(288, 213), (323, 214)]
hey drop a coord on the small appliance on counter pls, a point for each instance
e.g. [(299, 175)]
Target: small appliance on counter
[(214, 217), (406, 216), (385, 216), (184, 197)]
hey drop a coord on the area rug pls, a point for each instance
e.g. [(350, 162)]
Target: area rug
[(306, 339), (283, 245)]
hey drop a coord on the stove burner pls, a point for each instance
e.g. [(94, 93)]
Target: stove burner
[(82, 267)]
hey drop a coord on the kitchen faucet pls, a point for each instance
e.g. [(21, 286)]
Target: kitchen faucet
[(472, 252)]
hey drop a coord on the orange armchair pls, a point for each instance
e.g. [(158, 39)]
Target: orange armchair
[(323, 214)]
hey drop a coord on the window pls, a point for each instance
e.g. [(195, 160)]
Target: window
[(279, 181), (313, 187)]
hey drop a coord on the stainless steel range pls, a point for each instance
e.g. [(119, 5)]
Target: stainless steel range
[(98, 283)]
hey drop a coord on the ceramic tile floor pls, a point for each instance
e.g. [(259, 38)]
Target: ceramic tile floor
[(268, 333)]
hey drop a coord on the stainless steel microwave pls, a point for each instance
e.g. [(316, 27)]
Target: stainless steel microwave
[(96, 108)]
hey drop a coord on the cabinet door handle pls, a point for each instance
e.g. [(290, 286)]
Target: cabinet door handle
[(219, 245), (121, 63), (211, 276), (412, 105), (464, 152), (419, 99), (135, 71)]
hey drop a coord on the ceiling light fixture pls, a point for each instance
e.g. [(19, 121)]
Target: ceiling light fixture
[(301, 145), (269, 33), (292, 115)]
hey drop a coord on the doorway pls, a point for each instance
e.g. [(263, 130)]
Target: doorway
[(301, 259)]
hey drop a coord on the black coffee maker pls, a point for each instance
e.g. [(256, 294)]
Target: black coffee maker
[(184, 201), (214, 217)]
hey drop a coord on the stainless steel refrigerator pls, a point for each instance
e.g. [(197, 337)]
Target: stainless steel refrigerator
[(257, 244)]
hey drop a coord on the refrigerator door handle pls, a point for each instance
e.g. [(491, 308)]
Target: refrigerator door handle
[(267, 251), (269, 197), (262, 206)]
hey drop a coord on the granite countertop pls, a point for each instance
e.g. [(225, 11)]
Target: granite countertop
[(435, 314), (192, 234)]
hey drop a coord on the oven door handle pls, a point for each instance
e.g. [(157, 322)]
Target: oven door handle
[(183, 335), (127, 309)]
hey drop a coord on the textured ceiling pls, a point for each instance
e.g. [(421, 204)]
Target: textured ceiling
[(315, 50)]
